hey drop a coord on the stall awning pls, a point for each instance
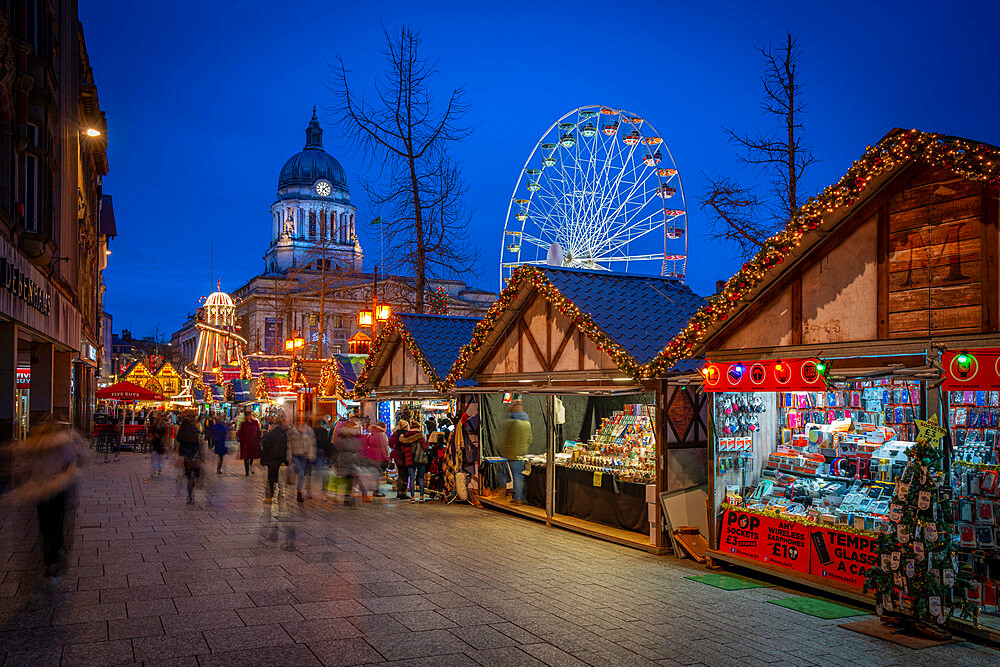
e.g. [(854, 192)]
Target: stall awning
[(127, 391)]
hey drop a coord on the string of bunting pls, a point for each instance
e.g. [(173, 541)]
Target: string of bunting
[(530, 274), (978, 466), (968, 159)]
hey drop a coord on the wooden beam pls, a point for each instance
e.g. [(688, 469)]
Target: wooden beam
[(567, 335), (526, 332), (580, 342), (548, 335), (990, 288), (797, 310), (882, 270)]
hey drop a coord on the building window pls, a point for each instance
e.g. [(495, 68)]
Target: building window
[(29, 182), (337, 321), (337, 349), (322, 225), (312, 224)]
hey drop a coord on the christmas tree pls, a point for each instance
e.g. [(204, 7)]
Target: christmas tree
[(438, 302), (916, 577)]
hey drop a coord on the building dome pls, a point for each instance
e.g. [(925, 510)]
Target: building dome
[(312, 163)]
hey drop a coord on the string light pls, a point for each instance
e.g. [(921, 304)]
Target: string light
[(967, 159)]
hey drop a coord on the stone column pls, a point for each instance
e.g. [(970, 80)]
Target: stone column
[(8, 379), (40, 398), (62, 397)]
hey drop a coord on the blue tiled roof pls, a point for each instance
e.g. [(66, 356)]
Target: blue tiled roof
[(640, 313), (440, 337), (241, 390), (349, 366), (265, 364)]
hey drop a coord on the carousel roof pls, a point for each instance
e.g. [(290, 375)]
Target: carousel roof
[(267, 364)]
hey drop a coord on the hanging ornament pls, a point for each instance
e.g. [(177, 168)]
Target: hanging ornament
[(879, 609), (895, 559), (897, 579), (887, 602), (901, 490), (902, 534), (931, 532), (935, 575), (923, 474), (895, 512), (886, 562), (911, 568), (918, 549), (948, 577), (934, 605), (924, 500)]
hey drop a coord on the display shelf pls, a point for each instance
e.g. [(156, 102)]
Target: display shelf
[(623, 446)]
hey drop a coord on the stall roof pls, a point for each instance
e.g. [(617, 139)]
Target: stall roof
[(349, 366), (628, 316), (813, 230), (241, 391), (433, 340), (260, 363)]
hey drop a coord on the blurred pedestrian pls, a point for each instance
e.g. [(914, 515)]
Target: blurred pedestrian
[(274, 453), (375, 454), (45, 469), (249, 436), (189, 448), (417, 464), (158, 429), (347, 448), (217, 431), (303, 458), (516, 439), (400, 455)]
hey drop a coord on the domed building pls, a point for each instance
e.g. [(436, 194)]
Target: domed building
[(313, 210), (313, 282)]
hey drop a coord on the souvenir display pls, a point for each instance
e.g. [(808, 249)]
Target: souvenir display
[(624, 446), (974, 417), (978, 508)]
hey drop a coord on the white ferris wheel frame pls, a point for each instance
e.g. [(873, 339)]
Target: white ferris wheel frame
[(613, 226)]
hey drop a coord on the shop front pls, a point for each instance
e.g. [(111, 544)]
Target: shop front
[(825, 352), (564, 348)]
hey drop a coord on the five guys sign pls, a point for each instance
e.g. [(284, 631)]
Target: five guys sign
[(775, 375)]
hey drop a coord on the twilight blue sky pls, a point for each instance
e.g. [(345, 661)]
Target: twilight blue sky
[(206, 100)]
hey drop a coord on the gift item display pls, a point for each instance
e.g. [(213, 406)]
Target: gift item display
[(974, 417), (834, 457), (917, 573), (624, 446), (977, 503)]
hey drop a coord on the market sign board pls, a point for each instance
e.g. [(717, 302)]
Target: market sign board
[(771, 375), (971, 370), (827, 552)]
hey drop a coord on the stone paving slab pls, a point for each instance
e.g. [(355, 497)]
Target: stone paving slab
[(155, 581)]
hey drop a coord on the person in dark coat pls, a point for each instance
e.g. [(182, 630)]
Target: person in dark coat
[(415, 448), (400, 455), (249, 436), (217, 432), (347, 446), (157, 443), (189, 447), (274, 453)]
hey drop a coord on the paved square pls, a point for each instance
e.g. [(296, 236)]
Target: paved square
[(154, 580)]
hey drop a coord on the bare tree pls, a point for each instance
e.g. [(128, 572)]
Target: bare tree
[(418, 185), (782, 157)]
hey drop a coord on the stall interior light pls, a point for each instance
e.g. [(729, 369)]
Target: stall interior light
[(963, 357), (821, 367)]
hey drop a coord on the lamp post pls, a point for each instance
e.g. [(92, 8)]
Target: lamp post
[(294, 344), (380, 312)]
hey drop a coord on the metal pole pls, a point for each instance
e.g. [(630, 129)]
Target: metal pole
[(550, 458)]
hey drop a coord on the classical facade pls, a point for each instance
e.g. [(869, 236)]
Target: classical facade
[(53, 155), (313, 282)]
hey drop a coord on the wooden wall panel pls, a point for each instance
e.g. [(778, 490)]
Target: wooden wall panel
[(771, 328), (935, 256)]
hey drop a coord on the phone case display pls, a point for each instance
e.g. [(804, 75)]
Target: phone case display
[(977, 513), (624, 445), (835, 456), (974, 417)]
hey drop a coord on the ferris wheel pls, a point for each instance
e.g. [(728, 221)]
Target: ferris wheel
[(600, 190)]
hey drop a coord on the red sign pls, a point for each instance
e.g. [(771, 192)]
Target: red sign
[(773, 375), (763, 538), (832, 554), (971, 370), (842, 557), (23, 377)]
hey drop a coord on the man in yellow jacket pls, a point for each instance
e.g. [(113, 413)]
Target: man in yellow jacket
[(516, 439)]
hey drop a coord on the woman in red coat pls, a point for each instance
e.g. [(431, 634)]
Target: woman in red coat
[(249, 437)]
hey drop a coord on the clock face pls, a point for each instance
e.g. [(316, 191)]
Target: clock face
[(323, 188)]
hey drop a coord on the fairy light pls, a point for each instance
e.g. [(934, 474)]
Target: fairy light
[(967, 159)]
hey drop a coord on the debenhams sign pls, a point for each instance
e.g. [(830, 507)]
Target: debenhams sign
[(23, 287)]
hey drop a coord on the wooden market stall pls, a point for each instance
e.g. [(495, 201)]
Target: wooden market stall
[(868, 284), (607, 439), (406, 375)]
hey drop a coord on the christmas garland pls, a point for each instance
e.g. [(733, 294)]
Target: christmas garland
[(328, 372), (978, 466), (802, 520), (527, 274), (968, 159), (395, 325)]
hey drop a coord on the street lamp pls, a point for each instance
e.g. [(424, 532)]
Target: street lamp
[(294, 344), (380, 312)]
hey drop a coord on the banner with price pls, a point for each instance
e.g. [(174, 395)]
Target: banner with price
[(766, 539)]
